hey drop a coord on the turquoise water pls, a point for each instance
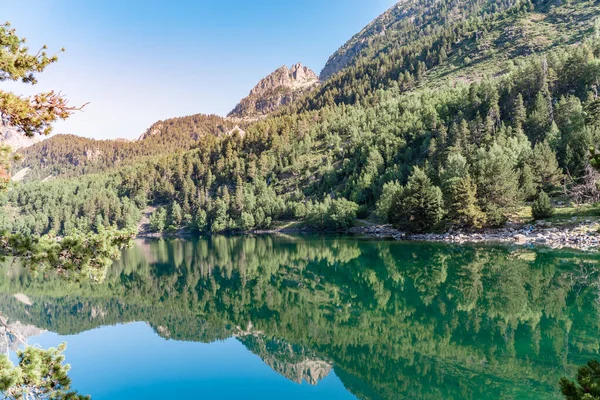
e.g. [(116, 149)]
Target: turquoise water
[(318, 317), (131, 361)]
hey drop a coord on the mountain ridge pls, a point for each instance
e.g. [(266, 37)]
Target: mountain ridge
[(402, 24)]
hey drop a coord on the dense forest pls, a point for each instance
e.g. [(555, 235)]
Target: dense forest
[(385, 138)]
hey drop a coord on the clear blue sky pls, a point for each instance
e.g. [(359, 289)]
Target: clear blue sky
[(138, 61)]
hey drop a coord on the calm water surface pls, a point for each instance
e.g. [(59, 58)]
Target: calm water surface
[(318, 318)]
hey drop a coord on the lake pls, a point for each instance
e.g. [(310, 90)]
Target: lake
[(318, 317)]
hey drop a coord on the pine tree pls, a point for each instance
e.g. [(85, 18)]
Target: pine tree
[(443, 56), (158, 220), (29, 115), (419, 206), (220, 218), (497, 183), (462, 206), (539, 120), (542, 207), (545, 166), (519, 114), (40, 374), (527, 183), (201, 221), (389, 192), (592, 112), (176, 214)]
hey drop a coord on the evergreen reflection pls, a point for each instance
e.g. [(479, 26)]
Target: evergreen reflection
[(392, 319)]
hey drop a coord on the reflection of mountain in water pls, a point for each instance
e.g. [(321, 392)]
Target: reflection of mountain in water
[(15, 335), (395, 320), (294, 362)]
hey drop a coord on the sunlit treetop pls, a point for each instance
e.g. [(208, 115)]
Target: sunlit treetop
[(34, 114)]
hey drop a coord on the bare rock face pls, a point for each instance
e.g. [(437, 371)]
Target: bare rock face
[(351, 50), (14, 334), (155, 129), (279, 88), (294, 362), (10, 136)]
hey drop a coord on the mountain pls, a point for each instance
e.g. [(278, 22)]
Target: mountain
[(12, 137), (439, 43), (181, 131), (404, 23), (294, 362), (279, 88), (489, 109), (71, 155)]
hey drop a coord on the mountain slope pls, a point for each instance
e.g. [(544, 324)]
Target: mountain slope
[(461, 50), (404, 23), (70, 155), (279, 88)]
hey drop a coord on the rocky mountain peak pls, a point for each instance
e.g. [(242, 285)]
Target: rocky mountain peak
[(11, 136), (278, 88), (302, 75), (296, 77), (294, 362)]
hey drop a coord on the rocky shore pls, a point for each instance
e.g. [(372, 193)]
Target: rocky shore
[(577, 235)]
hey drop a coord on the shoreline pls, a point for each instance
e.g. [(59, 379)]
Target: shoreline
[(581, 236), (577, 235)]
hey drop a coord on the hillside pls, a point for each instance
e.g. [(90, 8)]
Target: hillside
[(279, 88), (404, 23), (451, 48), (70, 155)]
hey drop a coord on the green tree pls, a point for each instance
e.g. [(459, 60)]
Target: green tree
[(246, 221), (176, 214), (77, 256), (201, 221), (497, 183), (389, 192), (341, 214), (527, 183), (219, 222), (30, 115), (542, 206), (419, 206), (39, 374), (34, 114), (539, 120), (587, 384), (543, 162), (519, 114), (158, 220), (462, 206), (331, 214)]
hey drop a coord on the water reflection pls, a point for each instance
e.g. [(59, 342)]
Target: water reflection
[(393, 320)]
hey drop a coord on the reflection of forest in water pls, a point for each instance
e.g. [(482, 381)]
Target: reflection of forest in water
[(393, 319)]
